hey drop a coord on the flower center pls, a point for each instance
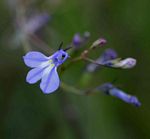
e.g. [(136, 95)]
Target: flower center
[(51, 62)]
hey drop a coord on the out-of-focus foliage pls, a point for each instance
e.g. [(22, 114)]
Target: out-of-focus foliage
[(26, 113)]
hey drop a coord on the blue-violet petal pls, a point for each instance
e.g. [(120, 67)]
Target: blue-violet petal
[(34, 75), (50, 80), (34, 59)]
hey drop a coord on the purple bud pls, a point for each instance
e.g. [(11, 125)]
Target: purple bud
[(109, 89), (102, 41), (77, 40), (125, 97), (108, 54), (99, 42), (80, 40)]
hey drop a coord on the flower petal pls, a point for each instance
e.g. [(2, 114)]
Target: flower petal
[(50, 80), (34, 59), (34, 75)]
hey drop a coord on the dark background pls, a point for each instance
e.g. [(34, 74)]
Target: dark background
[(26, 113)]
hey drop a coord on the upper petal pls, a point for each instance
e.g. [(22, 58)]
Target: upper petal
[(50, 80), (34, 75), (34, 59)]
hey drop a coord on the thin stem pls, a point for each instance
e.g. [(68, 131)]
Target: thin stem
[(70, 63), (92, 61), (76, 59), (71, 89), (100, 64), (74, 90)]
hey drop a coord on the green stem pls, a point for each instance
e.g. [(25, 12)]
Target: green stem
[(74, 90)]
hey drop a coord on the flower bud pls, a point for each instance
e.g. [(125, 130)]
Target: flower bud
[(77, 40), (108, 54), (111, 90), (124, 64), (99, 42)]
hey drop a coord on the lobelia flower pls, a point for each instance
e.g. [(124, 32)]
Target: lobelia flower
[(45, 69), (110, 89)]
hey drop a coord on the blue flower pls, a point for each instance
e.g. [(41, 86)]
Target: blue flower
[(45, 69), (110, 89)]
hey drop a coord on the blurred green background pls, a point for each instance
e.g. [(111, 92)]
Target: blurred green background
[(26, 113)]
